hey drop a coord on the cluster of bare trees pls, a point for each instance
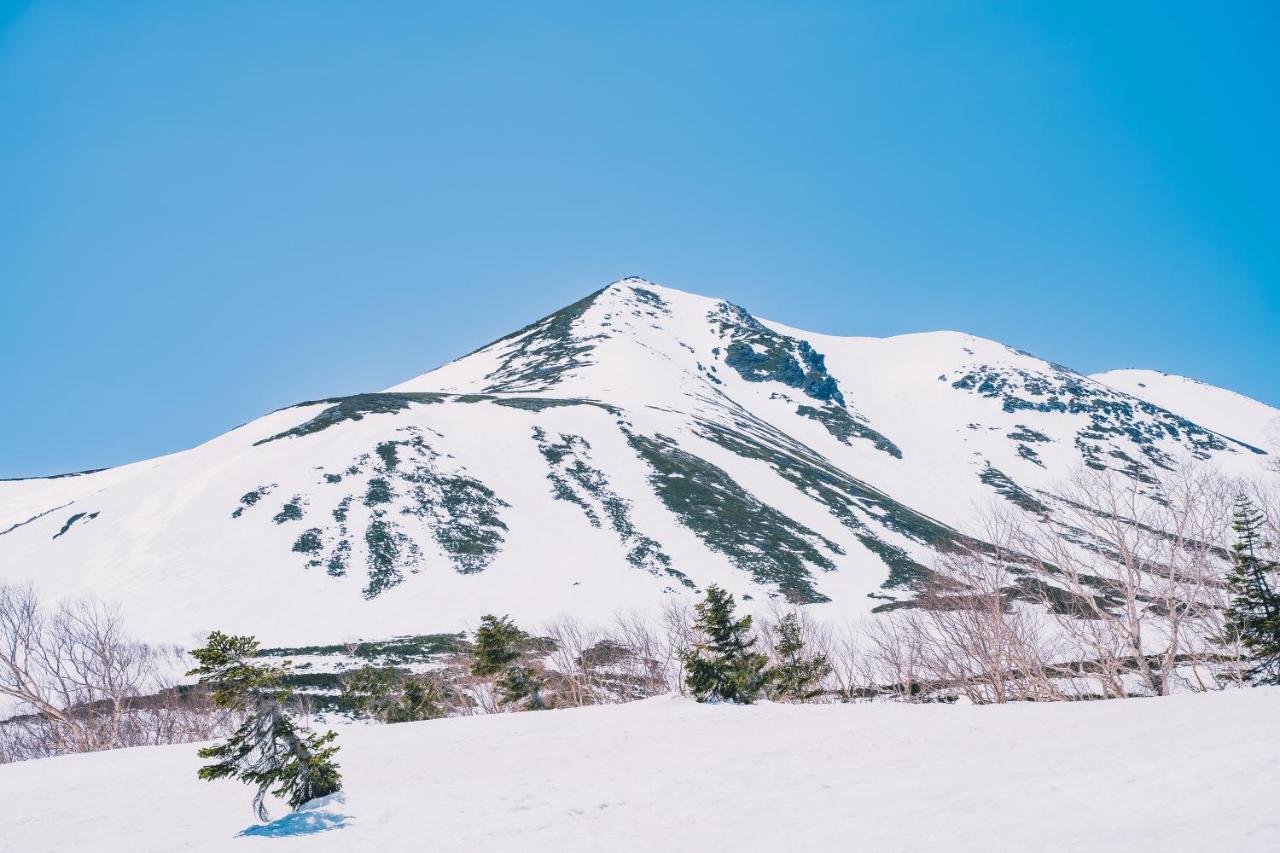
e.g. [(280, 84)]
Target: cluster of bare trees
[(634, 657), (1117, 591), (72, 680)]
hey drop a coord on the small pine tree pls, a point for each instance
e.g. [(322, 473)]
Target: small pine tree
[(498, 645), (267, 750), (1253, 615), (798, 676), (521, 686), (723, 665), (502, 653)]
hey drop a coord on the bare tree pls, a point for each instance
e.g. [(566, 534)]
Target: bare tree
[(1264, 494), (579, 657), (73, 668), (894, 662), (978, 638), (654, 665), (1130, 572), (678, 637), (78, 683), (853, 669), (626, 660)]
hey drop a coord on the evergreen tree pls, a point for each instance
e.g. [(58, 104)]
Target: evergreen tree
[(798, 676), (498, 645), (503, 653), (267, 750), (1253, 616), (723, 664), (521, 686)]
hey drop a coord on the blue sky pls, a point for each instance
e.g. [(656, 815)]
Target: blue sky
[(210, 210)]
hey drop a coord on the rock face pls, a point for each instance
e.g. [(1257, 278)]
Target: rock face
[(640, 443)]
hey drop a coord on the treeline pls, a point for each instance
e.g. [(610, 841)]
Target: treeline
[(709, 652), (1125, 589)]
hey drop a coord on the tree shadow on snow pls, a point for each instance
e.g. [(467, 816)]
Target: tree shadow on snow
[(315, 816)]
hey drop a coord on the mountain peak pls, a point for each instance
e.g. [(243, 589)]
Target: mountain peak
[(632, 321), (634, 281)]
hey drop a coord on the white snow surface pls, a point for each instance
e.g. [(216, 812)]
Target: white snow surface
[(174, 542), (1187, 773), (1216, 408)]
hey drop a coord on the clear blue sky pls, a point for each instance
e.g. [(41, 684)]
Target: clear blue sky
[(212, 209)]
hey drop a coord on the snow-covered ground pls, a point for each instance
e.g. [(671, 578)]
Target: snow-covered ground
[(1186, 773)]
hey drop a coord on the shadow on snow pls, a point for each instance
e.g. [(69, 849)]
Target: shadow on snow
[(315, 816)]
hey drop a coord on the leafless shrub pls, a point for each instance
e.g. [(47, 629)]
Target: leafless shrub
[(678, 637), (580, 658), (631, 658), (475, 694), (894, 661), (654, 665), (855, 669)]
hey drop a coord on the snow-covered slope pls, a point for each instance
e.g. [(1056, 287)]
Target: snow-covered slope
[(1216, 408), (1186, 773), (640, 443)]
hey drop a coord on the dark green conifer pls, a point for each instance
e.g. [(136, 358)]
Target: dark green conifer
[(503, 653), (267, 750), (1253, 615), (723, 664), (798, 675)]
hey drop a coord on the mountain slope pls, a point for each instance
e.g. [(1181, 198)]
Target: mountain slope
[(1216, 408), (640, 443), (1182, 773)]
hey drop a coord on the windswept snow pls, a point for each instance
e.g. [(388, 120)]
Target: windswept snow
[(1186, 773), (1216, 408)]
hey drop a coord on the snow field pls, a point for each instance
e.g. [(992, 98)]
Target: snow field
[(1184, 773)]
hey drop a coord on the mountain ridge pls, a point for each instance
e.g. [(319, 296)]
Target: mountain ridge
[(639, 443)]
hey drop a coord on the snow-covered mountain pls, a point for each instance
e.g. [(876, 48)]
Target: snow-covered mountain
[(639, 443)]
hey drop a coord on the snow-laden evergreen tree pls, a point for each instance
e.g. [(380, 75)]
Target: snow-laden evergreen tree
[(503, 653), (268, 749), (1253, 616), (797, 676), (723, 664)]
